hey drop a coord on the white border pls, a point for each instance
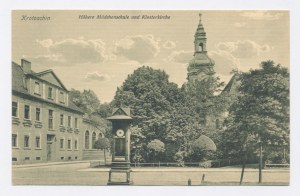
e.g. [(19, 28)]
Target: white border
[(5, 89)]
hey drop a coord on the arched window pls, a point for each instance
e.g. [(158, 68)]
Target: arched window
[(100, 135), (201, 47), (93, 139), (87, 140)]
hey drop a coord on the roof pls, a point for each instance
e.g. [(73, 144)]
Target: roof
[(232, 84), (201, 59), (120, 114), (19, 87), (50, 71), (18, 78)]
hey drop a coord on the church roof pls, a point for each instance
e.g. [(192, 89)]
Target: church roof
[(201, 59), (232, 84)]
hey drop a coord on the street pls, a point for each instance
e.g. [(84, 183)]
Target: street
[(81, 174)]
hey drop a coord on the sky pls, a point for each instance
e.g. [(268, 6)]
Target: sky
[(99, 54)]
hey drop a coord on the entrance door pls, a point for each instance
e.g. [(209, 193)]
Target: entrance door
[(49, 151)]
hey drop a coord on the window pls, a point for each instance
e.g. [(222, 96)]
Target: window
[(38, 158), (76, 145), (61, 97), (100, 135), (76, 123), (93, 139), (14, 140), (69, 144), (37, 114), (87, 140), (27, 112), (50, 120), (50, 93), (26, 141), (37, 88), (69, 121), (62, 142), (37, 142), (201, 47), (61, 119), (14, 109)]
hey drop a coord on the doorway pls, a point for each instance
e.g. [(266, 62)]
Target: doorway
[(49, 151), (50, 140)]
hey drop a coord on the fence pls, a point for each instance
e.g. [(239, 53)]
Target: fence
[(205, 164)]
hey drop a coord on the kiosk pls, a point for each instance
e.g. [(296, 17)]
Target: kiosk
[(119, 173)]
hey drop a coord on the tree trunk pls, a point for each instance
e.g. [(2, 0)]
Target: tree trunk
[(243, 171), (260, 164), (104, 157)]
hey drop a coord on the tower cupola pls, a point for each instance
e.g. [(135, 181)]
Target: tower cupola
[(201, 66)]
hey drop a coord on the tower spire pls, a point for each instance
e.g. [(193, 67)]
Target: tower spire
[(200, 37), (200, 17), (201, 66)]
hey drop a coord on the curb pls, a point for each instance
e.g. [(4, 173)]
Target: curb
[(49, 164)]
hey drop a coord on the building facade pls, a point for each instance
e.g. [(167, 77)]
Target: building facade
[(46, 124)]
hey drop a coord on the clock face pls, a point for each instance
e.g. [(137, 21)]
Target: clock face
[(120, 133)]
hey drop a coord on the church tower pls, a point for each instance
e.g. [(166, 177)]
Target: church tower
[(201, 66)]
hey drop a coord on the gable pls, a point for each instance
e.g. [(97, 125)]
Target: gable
[(121, 111), (50, 77)]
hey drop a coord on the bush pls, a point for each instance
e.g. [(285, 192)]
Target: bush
[(205, 164)]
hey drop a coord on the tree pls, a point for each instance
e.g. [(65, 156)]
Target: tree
[(260, 116), (137, 144), (156, 148), (86, 100), (202, 148), (102, 143), (153, 100), (104, 110)]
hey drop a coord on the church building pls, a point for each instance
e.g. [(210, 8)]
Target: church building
[(200, 68)]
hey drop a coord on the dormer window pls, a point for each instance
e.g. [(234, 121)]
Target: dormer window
[(37, 88), (50, 93), (61, 97)]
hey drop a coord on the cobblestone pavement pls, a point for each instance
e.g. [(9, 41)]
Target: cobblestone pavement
[(80, 174)]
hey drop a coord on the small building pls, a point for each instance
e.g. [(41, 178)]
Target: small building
[(46, 124)]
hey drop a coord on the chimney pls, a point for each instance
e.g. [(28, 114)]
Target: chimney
[(26, 66)]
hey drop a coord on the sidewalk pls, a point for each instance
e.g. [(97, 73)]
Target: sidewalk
[(187, 169), (151, 169), (50, 164)]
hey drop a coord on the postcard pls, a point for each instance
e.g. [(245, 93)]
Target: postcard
[(150, 97)]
